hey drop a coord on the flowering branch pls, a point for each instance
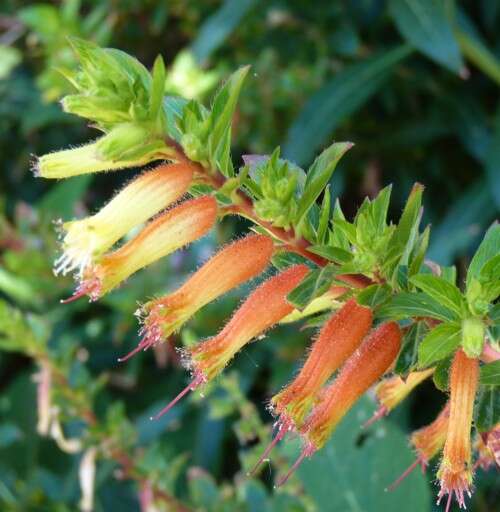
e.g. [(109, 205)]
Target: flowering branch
[(371, 270)]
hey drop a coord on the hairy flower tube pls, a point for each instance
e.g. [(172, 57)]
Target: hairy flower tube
[(233, 265), (393, 390), (455, 470), (340, 336), (87, 239), (167, 233), (427, 441), (264, 308), (370, 361)]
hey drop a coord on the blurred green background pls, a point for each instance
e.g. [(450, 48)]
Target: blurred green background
[(414, 83)]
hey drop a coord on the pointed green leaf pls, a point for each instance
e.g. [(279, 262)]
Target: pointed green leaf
[(444, 292), (438, 344), (410, 305), (407, 358), (425, 24), (487, 410), (319, 175), (489, 247)]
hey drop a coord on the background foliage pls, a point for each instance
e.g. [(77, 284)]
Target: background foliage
[(413, 83)]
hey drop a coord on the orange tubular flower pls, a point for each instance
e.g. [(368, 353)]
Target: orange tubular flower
[(455, 471), (362, 370), (87, 239), (428, 442), (393, 390), (264, 308), (233, 265), (338, 339), (167, 233)]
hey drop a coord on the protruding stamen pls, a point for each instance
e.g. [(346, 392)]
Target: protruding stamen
[(195, 383), (80, 292), (379, 413), (306, 452), (408, 471), (283, 429)]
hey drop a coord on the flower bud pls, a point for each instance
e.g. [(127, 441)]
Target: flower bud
[(370, 361), (455, 471), (264, 308), (338, 339), (167, 233), (87, 239), (473, 336), (236, 263), (393, 390), (116, 150)]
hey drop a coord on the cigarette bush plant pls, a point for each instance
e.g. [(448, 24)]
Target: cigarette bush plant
[(421, 319), (377, 310)]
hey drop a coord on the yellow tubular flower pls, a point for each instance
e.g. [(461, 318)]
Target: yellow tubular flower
[(87, 239), (393, 390), (167, 233)]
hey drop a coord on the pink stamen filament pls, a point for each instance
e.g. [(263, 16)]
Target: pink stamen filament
[(407, 472), (284, 427), (379, 413), (306, 452), (195, 383), (80, 292)]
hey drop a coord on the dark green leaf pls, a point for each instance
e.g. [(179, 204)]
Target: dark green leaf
[(425, 24), (442, 374), (438, 344), (313, 285), (219, 26), (490, 374), (487, 410), (407, 359), (338, 99)]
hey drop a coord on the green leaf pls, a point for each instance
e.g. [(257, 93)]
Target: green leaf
[(374, 295), (441, 374), (336, 101), (319, 175), (157, 87), (282, 260), (438, 344), (407, 358), (215, 29), (381, 454), (409, 305), (444, 292), (221, 117), (490, 374), (489, 247), (405, 235), (425, 24), (331, 253), (313, 285), (487, 410), (324, 217)]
